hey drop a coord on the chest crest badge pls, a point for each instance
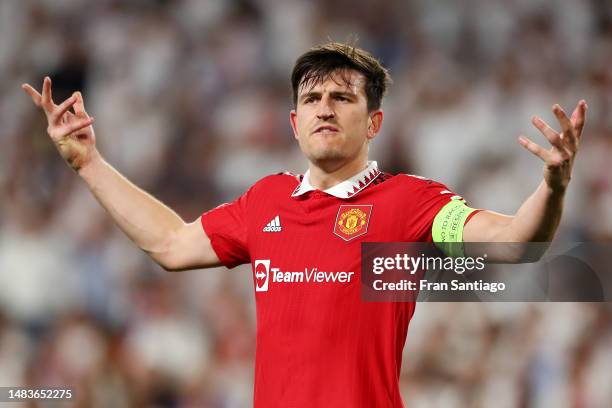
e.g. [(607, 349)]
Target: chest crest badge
[(352, 221)]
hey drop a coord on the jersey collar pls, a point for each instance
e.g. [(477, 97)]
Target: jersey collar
[(345, 189)]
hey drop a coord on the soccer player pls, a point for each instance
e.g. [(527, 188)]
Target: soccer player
[(318, 344)]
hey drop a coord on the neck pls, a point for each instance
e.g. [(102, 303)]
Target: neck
[(324, 177)]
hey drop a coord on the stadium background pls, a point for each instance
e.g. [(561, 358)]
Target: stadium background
[(191, 100)]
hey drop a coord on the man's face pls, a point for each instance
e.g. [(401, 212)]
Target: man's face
[(331, 121)]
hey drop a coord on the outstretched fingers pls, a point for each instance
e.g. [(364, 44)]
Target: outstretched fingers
[(534, 148), (79, 106), (564, 121), (47, 97), (71, 127), (579, 117), (569, 136), (45, 101), (36, 97), (549, 133), (58, 112), (61, 121)]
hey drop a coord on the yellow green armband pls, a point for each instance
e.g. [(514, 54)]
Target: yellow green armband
[(447, 228)]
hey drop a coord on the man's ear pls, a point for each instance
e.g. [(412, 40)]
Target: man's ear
[(375, 120), (293, 120)]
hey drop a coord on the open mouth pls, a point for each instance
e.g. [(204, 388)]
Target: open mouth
[(326, 129)]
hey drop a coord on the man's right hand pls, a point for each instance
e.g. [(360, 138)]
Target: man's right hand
[(71, 132)]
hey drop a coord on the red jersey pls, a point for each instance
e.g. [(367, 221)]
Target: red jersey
[(318, 343)]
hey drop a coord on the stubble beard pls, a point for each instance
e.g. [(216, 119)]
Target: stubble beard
[(329, 157), (324, 153), (330, 154)]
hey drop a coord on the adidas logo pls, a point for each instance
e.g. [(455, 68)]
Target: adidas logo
[(273, 226)]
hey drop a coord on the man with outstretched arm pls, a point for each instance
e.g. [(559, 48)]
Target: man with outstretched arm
[(318, 344)]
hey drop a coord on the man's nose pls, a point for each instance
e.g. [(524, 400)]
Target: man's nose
[(325, 111)]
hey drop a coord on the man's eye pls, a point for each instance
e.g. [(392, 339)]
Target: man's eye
[(309, 99), (341, 99)]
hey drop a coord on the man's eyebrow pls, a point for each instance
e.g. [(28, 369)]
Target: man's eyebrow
[(343, 93), (346, 94), (309, 94)]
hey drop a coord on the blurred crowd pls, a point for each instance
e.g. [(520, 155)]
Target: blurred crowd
[(191, 100)]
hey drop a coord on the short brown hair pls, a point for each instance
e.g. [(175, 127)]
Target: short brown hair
[(317, 64)]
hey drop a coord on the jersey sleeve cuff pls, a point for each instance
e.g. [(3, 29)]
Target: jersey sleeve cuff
[(216, 242)]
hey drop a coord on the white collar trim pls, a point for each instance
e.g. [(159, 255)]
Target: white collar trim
[(345, 189)]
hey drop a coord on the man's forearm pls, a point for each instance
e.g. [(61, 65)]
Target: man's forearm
[(537, 219), (144, 219)]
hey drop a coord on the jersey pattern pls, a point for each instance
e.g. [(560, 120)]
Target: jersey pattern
[(318, 343)]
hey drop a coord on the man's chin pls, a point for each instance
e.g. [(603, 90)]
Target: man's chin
[(327, 156)]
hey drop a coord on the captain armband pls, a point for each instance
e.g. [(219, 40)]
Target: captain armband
[(447, 228)]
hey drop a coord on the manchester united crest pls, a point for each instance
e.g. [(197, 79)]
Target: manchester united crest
[(352, 221)]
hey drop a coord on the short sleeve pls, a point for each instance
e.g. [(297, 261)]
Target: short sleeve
[(429, 198), (226, 227)]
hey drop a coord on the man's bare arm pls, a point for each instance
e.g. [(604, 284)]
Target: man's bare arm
[(538, 217), (535, 221), (155, 228)]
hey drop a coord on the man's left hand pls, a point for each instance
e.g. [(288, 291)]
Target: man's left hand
[(559, 159)]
